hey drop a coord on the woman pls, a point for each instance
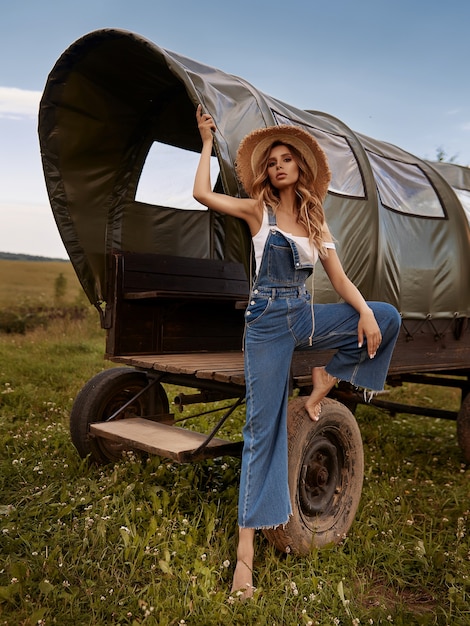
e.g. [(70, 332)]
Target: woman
[(286, 175)]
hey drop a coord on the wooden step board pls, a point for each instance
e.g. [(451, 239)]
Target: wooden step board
[(172, 442)]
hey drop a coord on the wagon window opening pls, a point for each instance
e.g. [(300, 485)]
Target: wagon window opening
[(464, 196), (404, 187), (167, 177), (346, 179)]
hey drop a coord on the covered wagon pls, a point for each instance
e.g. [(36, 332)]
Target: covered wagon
[(170, 279)]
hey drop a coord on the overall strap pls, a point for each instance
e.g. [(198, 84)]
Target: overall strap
[(271, 216)]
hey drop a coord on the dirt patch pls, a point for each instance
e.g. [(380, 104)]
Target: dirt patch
[(376, 594)]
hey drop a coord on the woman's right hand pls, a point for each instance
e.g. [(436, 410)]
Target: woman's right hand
[(243, 208), (205, 124)]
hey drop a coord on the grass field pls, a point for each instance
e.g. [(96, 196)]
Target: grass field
[(147, 541), (23, 282)]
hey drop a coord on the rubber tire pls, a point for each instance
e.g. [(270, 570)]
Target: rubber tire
[(463, 427), (102, 396), (326, 473)]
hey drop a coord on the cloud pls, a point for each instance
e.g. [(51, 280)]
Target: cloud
[(452, 112), (18, 103)]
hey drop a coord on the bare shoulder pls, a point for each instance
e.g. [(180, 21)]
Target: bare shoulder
[(327, 236)]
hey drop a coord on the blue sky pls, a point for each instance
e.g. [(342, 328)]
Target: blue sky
[(396, 71)]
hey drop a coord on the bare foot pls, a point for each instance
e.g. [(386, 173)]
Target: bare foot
[(322, 384), (242, 584)]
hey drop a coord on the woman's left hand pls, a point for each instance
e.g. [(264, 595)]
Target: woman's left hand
[(369, 329)]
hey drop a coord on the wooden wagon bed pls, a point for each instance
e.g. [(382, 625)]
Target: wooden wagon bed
[(431, 351), (223, 372)]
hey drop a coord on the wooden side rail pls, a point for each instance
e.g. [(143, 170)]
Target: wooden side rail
[(164, 304), (164, 276)]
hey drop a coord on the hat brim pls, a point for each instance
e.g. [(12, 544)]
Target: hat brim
[(254, 145)]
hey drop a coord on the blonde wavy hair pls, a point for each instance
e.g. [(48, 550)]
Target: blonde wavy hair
[(310, 211)]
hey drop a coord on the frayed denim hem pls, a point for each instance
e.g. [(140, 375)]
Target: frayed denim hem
[(282, 525), (368, 394)]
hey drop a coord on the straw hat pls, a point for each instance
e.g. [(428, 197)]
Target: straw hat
[(254, 145)]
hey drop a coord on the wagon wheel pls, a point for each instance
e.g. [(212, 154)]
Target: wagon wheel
[(100, 398), (326, 470), (463, 427)]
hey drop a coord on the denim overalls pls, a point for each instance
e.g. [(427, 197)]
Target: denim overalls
[(278, 321)]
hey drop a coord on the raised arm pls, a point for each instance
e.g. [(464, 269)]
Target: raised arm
[(244, 208)]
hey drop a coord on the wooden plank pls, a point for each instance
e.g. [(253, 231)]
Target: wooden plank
[(236, 377), (162, 275), (220, 292), (172, 442), (225, 367), (192, 364), (176, 366), (144, 361), (175, 266), (225, 371), (219, 366)]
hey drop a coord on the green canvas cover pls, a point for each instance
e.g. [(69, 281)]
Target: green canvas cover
[(401, 223)]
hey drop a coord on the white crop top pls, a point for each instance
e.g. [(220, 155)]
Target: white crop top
[(259, 241)]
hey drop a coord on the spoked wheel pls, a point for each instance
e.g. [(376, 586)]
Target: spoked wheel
[(326, 471), (463, 427), (101, 397)]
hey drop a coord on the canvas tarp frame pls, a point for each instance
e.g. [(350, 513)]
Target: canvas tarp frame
[(403, 234)]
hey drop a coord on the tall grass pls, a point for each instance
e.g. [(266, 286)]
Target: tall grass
[(148, 541)]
